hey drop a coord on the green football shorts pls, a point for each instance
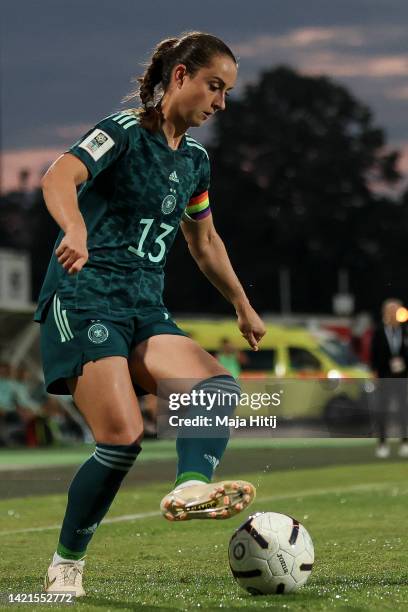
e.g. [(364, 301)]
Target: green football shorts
[(71, 338)]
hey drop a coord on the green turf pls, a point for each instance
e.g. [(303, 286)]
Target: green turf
[(355, 514), (157, 450)]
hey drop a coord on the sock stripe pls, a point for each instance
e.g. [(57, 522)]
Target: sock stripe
[(229, 385), (221, 389), (115, 460), (224, 384), (110, 465), (226, 390), (129, 454), (114, 463), (221, 392), (221, 385)]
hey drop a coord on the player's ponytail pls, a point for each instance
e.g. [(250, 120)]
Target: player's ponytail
[(153, 76), (194, 49)]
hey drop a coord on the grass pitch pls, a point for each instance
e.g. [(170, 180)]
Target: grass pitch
[(356, 515)]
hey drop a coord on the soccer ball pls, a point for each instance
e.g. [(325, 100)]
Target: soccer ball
[(271, 553)]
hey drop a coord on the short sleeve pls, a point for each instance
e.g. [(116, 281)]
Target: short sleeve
[(199, 205), (103, 144)]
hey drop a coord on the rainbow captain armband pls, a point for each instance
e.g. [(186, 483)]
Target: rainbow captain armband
[(198, 207)]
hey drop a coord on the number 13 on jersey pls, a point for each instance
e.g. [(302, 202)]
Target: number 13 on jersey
[(159, 240)]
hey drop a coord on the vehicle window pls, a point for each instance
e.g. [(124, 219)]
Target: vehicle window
[(258, 360), (301, 359), (340, 352)]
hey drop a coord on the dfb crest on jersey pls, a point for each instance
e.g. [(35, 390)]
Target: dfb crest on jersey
[(98, 333), (168, 204)]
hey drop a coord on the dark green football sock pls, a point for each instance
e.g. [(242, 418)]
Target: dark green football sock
[(90, 495), (199, 456)]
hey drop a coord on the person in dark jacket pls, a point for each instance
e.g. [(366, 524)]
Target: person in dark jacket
[(389, 360)]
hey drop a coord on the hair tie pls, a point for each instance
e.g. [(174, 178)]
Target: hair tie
[(149, 104)]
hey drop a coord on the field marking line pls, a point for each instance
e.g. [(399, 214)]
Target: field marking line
[(116, 519), (374, 486), (143, 515)]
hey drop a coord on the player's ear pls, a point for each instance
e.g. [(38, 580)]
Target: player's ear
[(180, 72)]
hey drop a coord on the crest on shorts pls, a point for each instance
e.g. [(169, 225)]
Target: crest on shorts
[(98, 333), (168, 204)]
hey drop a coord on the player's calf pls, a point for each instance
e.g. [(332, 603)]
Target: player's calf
[(200, 449)]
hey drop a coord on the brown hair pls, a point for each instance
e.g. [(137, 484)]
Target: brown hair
[(193, 49)]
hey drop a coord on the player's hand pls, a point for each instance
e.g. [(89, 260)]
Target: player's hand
[(72, 252), (251, 326)]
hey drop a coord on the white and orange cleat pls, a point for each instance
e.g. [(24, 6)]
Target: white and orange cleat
[(65, 578), (217, 500)]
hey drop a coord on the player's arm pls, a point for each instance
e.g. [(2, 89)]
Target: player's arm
[(88, 157), (209, 252), (60, 195)]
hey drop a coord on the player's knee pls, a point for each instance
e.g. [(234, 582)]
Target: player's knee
[(122, 434)]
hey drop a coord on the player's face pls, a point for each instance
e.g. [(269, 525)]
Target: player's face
[(202, 95)]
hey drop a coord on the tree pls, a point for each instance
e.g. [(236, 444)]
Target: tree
[(295, 163)]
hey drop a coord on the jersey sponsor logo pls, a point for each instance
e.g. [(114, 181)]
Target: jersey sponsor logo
[(173, 177), (98, 333), (168, 204), (97, 144)]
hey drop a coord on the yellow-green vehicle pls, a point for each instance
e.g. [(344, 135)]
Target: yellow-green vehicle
[(315, 374)]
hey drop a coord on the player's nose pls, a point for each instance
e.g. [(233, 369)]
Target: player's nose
[(219, 102)]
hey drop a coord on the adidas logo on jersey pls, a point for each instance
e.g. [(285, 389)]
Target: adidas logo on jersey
[(173, 177)]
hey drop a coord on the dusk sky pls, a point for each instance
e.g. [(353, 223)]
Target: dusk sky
[(66, 64)]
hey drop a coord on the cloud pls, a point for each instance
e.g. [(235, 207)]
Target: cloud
[(365, 37), (403, 161), (399, 93), (37, 160), (34, 160), (360, 51), (71, 132), (347, 65), (300, 39)]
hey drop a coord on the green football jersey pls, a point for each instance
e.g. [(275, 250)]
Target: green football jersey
[(137, 193)]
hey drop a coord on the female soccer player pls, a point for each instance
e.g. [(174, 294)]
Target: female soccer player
[(104, 327)]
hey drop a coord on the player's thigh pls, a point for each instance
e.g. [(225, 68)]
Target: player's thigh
[(104, 394), (177, 362)]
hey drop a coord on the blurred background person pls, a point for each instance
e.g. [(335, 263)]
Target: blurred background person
[(230, 357), (389, 360), (17, 409), (29, 416), (7, 412)]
